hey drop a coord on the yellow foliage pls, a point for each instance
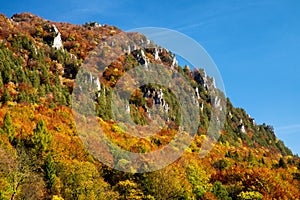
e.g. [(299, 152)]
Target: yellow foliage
[(55, 197)]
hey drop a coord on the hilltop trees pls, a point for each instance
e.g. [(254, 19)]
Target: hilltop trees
[(41, 152)]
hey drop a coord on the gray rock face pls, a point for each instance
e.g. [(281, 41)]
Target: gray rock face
[(97, 25), (147, 111), (98, 84), (156, 54), (197, 93), (127, 108), (57, 42), (159, 103), (158, 97), (204, 80), (130, 48), (93, 81), (213, 82), (217, 102), (201, 106), (194, 100), (241, 121), (242, 128), (143, 59), (166, 108), (174, 62)]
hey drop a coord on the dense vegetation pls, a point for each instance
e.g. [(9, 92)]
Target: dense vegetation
[(42, 157)]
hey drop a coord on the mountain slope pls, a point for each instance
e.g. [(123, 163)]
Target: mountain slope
[(42, 156)]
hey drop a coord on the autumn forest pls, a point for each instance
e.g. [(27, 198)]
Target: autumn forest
[(42, 155)]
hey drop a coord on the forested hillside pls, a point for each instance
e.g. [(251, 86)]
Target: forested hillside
[(43, 157)]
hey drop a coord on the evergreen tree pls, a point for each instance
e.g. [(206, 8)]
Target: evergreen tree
[(50, 172), (57, 81), (7, 75), (44, 75), (220, 191), (22, 97), (35, 79), (42, 91), (251, 157), (67, 97), (8, 127), (1, 80), (41, 138), (282, 163), (21, 76), (6, 96)]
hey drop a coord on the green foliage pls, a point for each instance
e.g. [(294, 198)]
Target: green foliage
[(1, 80), (31, 72), (35, 79), (167, 183), (2, 197), (50, 172), (71, 65), (250, 195), (6, 73), (283, 149), (8, 62), (8, 127), (44, 77), (234, 155), (103, 106), (282, 163), (6, 96), (251, 157), (117, 129), (129, 190), (220, 191), (23, 42), (81, 180), (41, 139), (221, 164), (199, 179)]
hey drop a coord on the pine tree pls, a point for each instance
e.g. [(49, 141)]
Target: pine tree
[(41, 138), (7, 75), (1, 80), (21, 76), (42, 91), (22, 97), (220, 191), (35, 79), (8, 127), (50, 172), (282, 163), (251, 157), (6, 96), (44, 75)]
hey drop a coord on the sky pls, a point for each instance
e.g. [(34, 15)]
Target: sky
[(255, 44)]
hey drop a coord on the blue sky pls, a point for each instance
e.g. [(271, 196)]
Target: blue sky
[(255, 44)]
